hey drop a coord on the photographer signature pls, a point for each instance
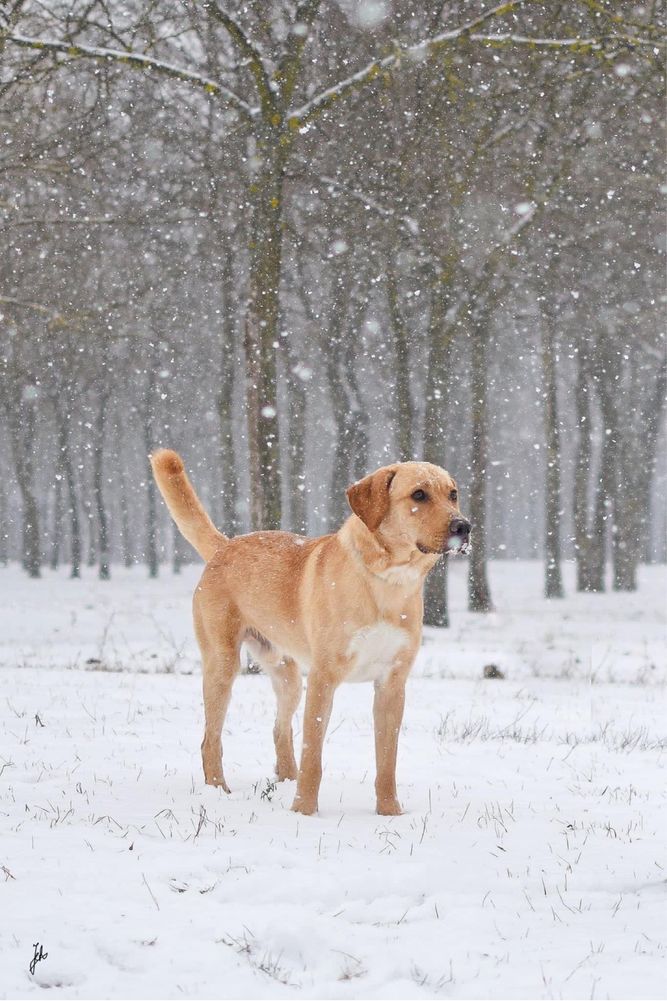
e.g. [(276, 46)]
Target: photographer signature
[(38, 956)]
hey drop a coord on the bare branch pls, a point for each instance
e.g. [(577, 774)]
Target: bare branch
[(135, 59), (594, 44), (577, 44), (249, 51), (405, 222), (598, 8), (288, 69), (10, 300), (134, 221)]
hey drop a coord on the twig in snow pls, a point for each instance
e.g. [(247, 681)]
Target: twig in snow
[(145, 881)]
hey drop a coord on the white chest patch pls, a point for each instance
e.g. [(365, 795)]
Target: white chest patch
[(404, 575), (374, 649)]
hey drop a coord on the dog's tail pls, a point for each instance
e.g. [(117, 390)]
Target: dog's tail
[(184, 506)]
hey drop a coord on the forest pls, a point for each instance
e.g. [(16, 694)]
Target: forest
[(299, 240)]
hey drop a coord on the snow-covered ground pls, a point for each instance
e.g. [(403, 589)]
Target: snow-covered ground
[(529, 862)]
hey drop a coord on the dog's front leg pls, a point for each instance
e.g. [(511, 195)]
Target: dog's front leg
[(319, 700), (388, 707)]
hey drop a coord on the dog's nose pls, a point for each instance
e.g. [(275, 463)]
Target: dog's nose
[(460, 527)]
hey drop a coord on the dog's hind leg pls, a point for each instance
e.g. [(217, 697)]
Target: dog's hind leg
[(287, 684), (220, 665)]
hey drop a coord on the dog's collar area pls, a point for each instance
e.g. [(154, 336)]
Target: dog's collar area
[(380, 575)]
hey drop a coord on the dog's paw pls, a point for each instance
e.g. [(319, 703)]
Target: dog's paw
[(304, 806), (287, 774), (389, 808), (219, 782)]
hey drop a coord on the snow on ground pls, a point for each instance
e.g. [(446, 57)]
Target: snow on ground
[(529, 862), (131, 624)]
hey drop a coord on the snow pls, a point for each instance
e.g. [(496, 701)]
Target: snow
[(528, 862), (136, 59)]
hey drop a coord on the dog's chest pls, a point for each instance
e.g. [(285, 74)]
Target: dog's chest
[(373, 651)]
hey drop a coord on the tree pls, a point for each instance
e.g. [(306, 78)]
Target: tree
[(272, 80)]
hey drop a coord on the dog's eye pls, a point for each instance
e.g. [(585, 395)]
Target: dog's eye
[(419, 495), (454, 495)]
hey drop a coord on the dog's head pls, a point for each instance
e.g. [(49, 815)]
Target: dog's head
[(412, 504)]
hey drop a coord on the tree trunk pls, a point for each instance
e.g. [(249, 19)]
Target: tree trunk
[(652, 424), (602, 514), (358, 417), (104, 572), (553, 583), (340, 468), (126, 543), (350, 461), (92, 534), (227, 450), (21, 420), (630, 479), (404, 411), (228, 460), (57, 530), (262, 333), (4, 548), (32, 557), (152, 560), (177, 559), (255, 504), (479, 593), (627, 515), (436, 595), (65, 459), (339, 362), (440, 341), (582, 535), (4, 519), (296, 441)]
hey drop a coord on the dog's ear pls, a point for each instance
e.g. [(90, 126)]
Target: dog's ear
[(369, 498)]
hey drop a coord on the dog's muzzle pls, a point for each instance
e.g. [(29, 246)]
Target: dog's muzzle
[(458, 540), (459, 536)]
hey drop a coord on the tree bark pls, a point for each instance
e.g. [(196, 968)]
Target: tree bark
[(296, 441), (57, 528), (4, 548), (228, 460), (262, 322), (553, 582), (31, 548), (404, 412), (21, 419), (627, 515), (152, 559), (104, 572), (126, 543), (255, 505), (89, 515), (637, 461), (65, 460), (350, 451), (358, 416), (652, 425), (177, 559), (583, 539), (602, 514), (440, 341), (479, 593)]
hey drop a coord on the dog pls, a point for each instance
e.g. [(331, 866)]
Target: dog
[(343, 607)]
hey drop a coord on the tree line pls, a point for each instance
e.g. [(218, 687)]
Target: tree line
[(298, 240)]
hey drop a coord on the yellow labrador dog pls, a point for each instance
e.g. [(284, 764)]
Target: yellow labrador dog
[(343, 607)]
